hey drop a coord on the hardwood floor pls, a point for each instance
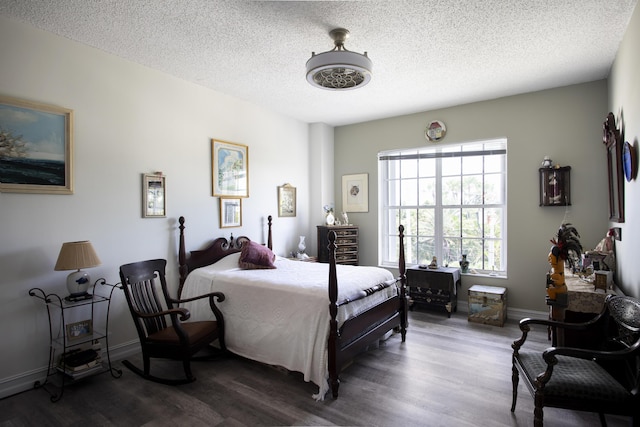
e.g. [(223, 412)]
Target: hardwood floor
[(448, 373)]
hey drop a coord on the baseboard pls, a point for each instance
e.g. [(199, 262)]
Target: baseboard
[(25, 381)]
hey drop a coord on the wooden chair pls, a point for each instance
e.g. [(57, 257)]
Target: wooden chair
[(603, 380), (161, 324)]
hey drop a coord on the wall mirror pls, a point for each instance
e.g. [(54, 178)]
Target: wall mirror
[(613, 141)]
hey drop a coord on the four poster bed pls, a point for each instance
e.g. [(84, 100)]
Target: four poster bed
[(280, 314)]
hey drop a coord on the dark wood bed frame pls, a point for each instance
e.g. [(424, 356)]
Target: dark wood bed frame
[(356, 333)]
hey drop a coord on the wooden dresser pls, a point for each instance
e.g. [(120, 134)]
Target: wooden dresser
[(346, 240)]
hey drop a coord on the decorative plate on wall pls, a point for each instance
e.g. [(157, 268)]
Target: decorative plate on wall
[(435, 131), (629, 161)]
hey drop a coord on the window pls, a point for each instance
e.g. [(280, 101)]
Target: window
[(451, 200)]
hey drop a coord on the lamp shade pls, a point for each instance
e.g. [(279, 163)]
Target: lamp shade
[(75, 256)]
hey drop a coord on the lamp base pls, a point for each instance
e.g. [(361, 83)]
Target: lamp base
[(78, 283)]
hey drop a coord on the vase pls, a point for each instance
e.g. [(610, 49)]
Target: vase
[(330, 219), (301, 246), (464, 264)]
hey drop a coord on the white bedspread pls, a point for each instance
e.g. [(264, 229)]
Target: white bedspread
[(281, 316)]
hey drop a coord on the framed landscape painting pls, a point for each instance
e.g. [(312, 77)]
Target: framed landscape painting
[(36, 147), (230, 169)]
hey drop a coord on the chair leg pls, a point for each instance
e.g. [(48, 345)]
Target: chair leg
[(603, 420), (187, 369), (515, 378), (538, 414)]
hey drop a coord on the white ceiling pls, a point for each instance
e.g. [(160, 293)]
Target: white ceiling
[(426, 54)]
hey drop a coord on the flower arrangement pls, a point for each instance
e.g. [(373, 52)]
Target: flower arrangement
[(327, 209)]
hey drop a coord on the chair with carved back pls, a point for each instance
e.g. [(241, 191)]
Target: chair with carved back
[(604, 379), (161, 323)]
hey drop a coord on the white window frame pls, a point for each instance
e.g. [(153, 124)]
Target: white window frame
[(387, 227)]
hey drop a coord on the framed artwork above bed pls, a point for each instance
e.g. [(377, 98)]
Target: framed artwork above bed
[(229, 169), (230, 212)]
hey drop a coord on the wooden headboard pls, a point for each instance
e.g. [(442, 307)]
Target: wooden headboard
[(218, 249)]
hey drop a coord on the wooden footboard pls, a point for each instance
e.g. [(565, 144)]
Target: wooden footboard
[(361, 331)]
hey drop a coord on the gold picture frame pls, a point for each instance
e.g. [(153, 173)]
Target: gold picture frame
[(230, 212), (229, 169), (36, 150), (286, 200), (154, 200), (355, 192)]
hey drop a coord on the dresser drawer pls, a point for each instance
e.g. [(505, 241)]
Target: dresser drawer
[(346, 244)]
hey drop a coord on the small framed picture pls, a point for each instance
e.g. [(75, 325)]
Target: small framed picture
[(154, 200), (230, 212), (286, 200), (79, 330), (355, 192)]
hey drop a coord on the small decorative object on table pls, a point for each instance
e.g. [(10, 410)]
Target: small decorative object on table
[(345, 218), (434, 263), (566, 248), (547, 162), (464, 264), (302, 246), (329, 219)]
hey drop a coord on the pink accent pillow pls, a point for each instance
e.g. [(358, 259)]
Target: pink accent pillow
[(256, 256)]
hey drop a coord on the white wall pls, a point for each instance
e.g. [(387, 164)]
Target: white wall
[(129, 120), (624, 102), (563, 123)]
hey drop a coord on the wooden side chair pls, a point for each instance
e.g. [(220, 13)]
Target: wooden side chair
[(161, 323), (605, 380)]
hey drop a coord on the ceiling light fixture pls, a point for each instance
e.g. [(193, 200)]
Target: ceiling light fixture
[(339, 69)]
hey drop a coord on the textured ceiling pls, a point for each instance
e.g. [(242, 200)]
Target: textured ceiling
[(426, 54)]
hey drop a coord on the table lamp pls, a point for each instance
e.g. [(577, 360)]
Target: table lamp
[(75, 256)]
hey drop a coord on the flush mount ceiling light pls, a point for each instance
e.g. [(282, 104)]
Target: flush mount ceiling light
[(339, 69)]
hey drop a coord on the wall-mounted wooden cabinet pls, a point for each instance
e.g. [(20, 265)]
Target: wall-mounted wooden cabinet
[(555, 186)]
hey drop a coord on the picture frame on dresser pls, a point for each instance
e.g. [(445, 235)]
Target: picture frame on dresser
[(230, 212), (36, 154), (355, 192), (229, 169)]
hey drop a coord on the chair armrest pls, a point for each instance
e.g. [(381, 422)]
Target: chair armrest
[(180, 311), (219, 295), (558, 324), (550, 354), (525, 327)]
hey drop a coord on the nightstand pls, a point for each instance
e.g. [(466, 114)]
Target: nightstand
[(70, 338)]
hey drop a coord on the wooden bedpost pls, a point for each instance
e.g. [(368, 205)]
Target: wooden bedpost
[(182, 257), (269, 241), (404, 299), (334, 382)]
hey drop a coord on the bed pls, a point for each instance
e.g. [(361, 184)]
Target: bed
[(307, 317)]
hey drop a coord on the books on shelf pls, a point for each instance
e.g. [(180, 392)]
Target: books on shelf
[(79, 363)]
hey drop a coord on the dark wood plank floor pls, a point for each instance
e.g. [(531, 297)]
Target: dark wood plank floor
[(448, 373)]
